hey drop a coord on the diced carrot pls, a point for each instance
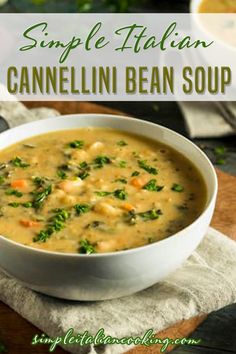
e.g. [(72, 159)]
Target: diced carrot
[(128, 206), (139, 182), (19, 183), (29, 223)]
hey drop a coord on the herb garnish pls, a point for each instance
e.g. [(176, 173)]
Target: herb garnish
[(82, 208), (84, 168), (2, 179), (132, 216), (118, 193), (61, 174), (39, 197), (143, 164), (82, 175), (17, 162), (39, 181), (122, 164), (14, 192), (135, 173), (121, 143), (14, 204), (177, 188), (220, 155), (86, 247), (100, 161), (102, 193), (55, 224), (152, 186), (27, 204), (76, 144), (121, 180), (152, 214)]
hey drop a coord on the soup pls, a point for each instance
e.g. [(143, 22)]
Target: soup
[(218, 6), (95, 190)]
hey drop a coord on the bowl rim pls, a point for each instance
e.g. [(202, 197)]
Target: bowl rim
[(193, 9), (188, 228)]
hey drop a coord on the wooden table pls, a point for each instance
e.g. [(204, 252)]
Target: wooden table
[(17, 332)]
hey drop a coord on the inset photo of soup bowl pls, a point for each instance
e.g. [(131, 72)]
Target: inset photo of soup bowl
[(102, 276)]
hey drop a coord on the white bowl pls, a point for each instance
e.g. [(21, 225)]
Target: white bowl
[(110, 275)]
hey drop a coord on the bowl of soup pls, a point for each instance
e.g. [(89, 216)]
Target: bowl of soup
[(217, 20), (96, 207)]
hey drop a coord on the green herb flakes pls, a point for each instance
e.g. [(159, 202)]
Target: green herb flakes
[(177, 188), (101, 161), (121, 143), (14, 204), (61, 174), (121, 180), (17, 162), (122, 164), (135, 173), (82, 208), (152, 186), (14, 192), (76, 144), (85, 247), (152, 214), (143, 164)]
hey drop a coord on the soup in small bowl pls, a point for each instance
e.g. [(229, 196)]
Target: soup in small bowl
[(97, 207)]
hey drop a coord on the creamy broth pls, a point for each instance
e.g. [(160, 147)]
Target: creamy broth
[(95, 190), (218, 6)]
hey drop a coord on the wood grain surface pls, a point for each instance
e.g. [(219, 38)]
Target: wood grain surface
[(17, 332)]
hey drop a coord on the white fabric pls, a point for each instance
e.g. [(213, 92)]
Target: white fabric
[(204, 120)]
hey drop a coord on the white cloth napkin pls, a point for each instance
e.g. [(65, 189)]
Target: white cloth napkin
[(204, 283), (204, 119)]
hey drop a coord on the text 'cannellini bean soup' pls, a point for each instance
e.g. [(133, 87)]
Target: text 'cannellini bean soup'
[(95, 190)]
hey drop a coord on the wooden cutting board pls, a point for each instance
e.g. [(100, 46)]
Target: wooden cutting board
[(17, 333)]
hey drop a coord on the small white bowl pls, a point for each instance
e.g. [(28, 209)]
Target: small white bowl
[(110, 275)]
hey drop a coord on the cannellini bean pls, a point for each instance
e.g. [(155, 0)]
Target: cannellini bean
[(79, 155), (107, 246), (98, 145), (107, 209), (68, 199), (71, 186)]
